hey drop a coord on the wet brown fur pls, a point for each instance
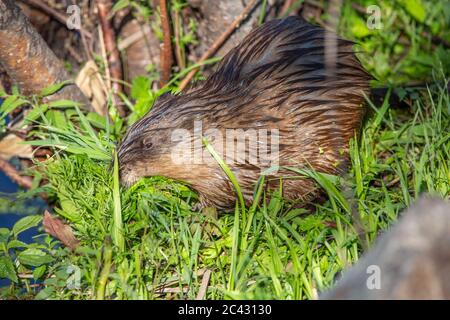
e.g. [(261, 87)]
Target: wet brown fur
[(275, 79)]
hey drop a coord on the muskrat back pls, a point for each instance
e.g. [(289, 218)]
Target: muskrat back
[(277, 91)]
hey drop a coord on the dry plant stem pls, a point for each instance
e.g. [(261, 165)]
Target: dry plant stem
[(166, 46), (87, 48), (105, 60), (74, 54), (219, 42), (114, 62), (286, 6), (178, 51), (14, 175)]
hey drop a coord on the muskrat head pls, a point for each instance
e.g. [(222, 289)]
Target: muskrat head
[(146, 149), (152, 145)]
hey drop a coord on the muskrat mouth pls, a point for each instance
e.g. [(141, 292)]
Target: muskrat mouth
[(128, 178)]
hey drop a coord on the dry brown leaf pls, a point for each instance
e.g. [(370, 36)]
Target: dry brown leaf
[(10, 147), (92, 85), (59, 230)]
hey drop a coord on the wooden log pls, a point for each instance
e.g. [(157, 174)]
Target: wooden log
[(28, 60)]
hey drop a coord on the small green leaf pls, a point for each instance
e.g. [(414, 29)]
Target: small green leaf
[(51, 89), (7, 269), (69, 210), (11, 103), (120, 5), (141, 88), (4, 235), (25, 224), (96, 120), (45, 293), (39, 272), (34, 257), (13, 244), (57, 118), (415, 8), (35, 113), (63, 103), (359, 27)]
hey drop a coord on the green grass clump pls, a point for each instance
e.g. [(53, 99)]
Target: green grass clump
[(270, 250), (411, 40)]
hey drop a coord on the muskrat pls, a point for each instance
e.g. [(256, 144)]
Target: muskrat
[(277, 80)]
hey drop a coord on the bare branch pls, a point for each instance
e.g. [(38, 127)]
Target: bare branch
[(166, 46)]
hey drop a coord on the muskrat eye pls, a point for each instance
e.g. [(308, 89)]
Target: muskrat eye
[(147, 144)]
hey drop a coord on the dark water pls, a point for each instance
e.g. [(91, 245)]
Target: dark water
[(8, 189), (9, 218)]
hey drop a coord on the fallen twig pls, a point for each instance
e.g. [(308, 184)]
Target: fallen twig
[(219, 42), (204, 285), (166, 46)]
